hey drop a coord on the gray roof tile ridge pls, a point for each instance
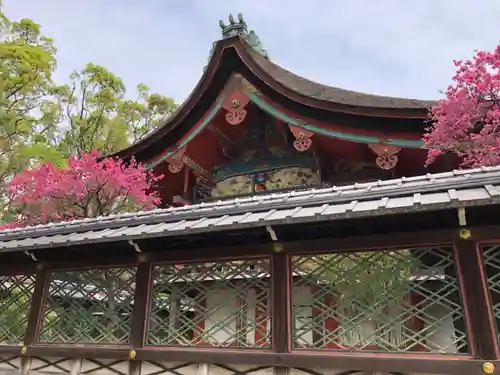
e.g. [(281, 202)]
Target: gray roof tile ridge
[(405, 185)]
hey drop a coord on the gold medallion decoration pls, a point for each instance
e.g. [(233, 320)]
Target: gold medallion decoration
[(277, 248), (132, 354), (24, 350), (488, 367), (465, 234)]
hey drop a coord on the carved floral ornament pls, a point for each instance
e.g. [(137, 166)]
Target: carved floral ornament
[(386, 155), (235, 106), (302, 136)]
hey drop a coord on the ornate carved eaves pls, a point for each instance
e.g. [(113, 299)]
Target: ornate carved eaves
[(303, 141), (387, 157), (180, 158)]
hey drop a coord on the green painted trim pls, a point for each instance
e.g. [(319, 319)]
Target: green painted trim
[(194, 132), (266, 107)]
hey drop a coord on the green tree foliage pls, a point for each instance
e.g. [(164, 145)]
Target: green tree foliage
[(100, 117), (27, 115), (43, 121)]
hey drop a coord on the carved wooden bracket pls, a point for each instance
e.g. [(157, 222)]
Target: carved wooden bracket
[(176, 160), (180, 158), (198, 171), (235, 106), (386, 155), (303, 140)]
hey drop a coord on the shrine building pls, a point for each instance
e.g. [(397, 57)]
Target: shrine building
[(299, 233)]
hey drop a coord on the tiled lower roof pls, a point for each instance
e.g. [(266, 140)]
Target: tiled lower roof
[(411, 194)]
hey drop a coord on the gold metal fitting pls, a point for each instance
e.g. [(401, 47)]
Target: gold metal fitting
[(465, 234), (488, 367), (24, 349), (278, 248), (132, 353)]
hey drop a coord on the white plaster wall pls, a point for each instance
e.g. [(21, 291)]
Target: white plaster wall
[(302, 300), (442, 335), (222, 305)]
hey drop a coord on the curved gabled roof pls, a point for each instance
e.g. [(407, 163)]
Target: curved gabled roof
[(234, 55), (333, 95)]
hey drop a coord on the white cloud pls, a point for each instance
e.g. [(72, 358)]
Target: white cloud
[(387, 47)]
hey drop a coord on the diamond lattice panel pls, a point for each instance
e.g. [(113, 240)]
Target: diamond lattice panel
[(406, 300), (223, 304), (169, 368), (100, 366), (15, 298), (491, 256), (9, 364), (51, 365), (89, 306)]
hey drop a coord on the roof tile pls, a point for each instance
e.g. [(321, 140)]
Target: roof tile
[(449, 189)]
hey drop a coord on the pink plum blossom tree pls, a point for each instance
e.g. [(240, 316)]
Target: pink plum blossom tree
[(467, 121), (86, 187)]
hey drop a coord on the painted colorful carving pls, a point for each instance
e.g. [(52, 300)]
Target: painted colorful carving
[(303, 140), (175, 161), (269, 180), (386, 155), (235, 107)]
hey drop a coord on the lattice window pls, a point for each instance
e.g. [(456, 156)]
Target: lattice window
[(491, 256), (89, 306), (402, 300), (222, 304), (15, 299)]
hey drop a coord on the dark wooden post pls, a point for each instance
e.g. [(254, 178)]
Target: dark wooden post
[(477, 301), (35, 317), (281, 304), (140, 313)]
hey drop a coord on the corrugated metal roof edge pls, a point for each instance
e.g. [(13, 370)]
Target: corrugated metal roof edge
[(260, 223), (359, 191)]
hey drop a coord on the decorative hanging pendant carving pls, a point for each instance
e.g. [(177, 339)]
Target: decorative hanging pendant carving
[(303, 140), (176, 161), (235, 106), (387, 157)]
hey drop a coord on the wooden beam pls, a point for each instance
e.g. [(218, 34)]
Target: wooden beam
[(405, 362), (154, 251)]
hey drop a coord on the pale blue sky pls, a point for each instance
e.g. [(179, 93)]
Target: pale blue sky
[(390, 47)]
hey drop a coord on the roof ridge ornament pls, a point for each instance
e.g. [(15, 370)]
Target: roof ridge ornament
[(238, 27), (234, 28)]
